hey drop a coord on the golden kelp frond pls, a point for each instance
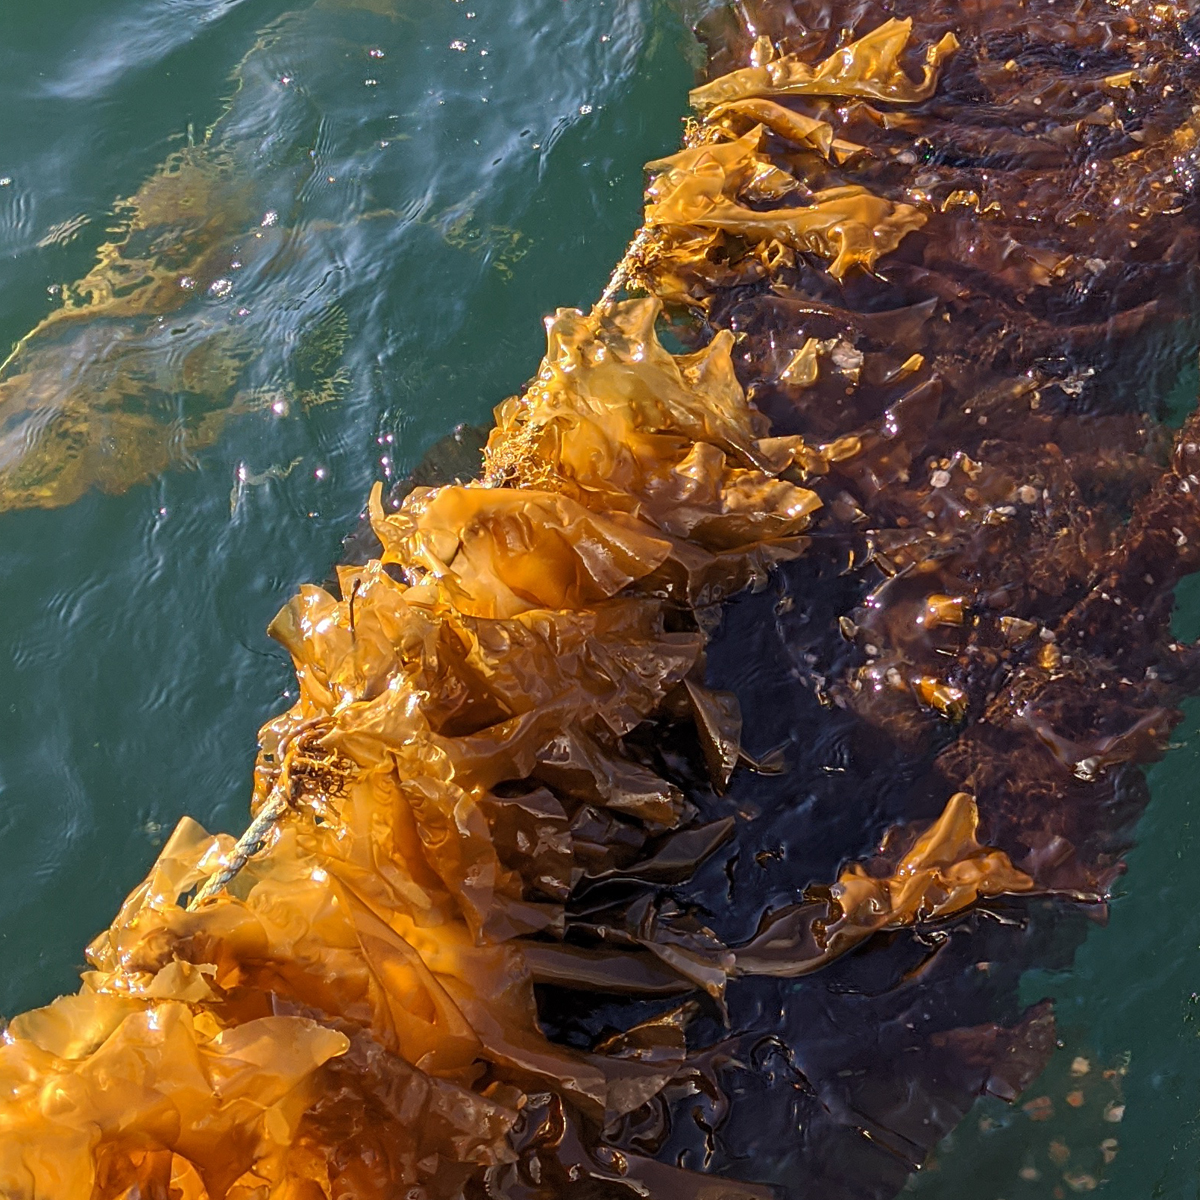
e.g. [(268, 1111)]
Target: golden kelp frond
[(453, 769), (197, 200), (868, 68), (786, 123), (472, 673), (502, 552), (728, 168), (60, 438), (946, 871), (159, 1092), (698, 189), (163, 1077), (666, 442), (364, 943), (90, 396), (680, 266)]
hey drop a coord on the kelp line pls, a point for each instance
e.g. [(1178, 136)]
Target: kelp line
[(847, 629), (224, 287)]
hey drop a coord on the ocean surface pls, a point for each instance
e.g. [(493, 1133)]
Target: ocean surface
[(365, 208)]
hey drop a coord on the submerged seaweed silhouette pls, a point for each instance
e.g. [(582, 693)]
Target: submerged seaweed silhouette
[(674, 812), (151, 352)]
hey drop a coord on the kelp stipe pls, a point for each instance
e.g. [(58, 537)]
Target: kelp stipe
[(679, 804)]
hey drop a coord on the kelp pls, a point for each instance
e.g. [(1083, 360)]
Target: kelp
[(148, 355), (699, 189), (869, 67), (794, 126), (945, 871), (455, 768), (117, 383), (674, 810)]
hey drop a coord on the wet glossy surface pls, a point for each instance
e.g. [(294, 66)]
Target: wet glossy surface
[(883, 768), (407, 293), (1026, 382)]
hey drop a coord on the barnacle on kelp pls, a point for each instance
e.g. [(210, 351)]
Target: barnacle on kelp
[(608, 768)]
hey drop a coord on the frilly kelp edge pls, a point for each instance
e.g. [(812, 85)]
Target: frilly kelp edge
[(673, 810)]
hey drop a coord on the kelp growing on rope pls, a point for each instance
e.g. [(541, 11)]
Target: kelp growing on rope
[(673, 811), (455, 769)]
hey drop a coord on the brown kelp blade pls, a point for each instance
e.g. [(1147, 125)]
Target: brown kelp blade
[(869, 67), (945, 871), (681, 803)]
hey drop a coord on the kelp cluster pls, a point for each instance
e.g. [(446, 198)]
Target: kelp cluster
[(148, 354), (845, 631)]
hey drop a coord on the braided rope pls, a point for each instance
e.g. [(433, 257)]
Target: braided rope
[(248, 845)]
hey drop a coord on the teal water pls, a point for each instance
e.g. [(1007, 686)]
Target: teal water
[(400, 192), (440, 175), (1128, 1008)]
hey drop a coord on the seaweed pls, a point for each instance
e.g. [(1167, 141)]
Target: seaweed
[(674, 810), (104, 391)]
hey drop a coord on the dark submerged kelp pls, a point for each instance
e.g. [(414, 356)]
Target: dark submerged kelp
[(847, 631)]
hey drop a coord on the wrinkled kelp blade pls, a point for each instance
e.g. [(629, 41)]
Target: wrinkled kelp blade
[(674, 811)]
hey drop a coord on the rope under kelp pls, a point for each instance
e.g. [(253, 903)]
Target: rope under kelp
[(627, 269), (248, 845), (279, 800)]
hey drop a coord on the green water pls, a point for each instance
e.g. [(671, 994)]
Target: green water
[(430, 219), (1130, 1005), (426, 180)]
